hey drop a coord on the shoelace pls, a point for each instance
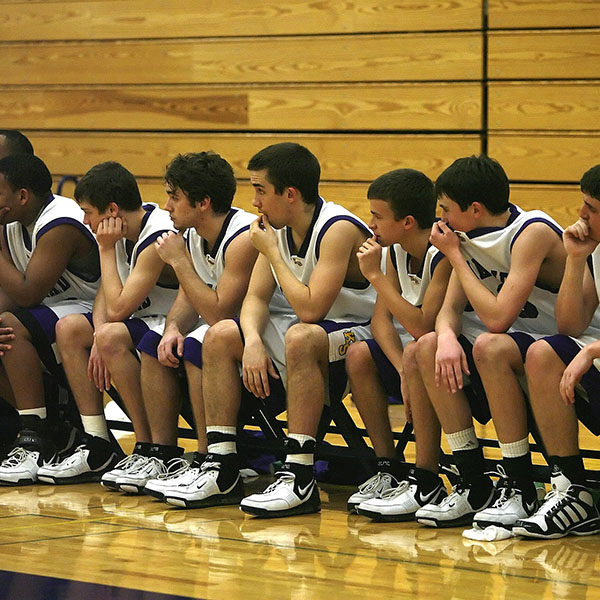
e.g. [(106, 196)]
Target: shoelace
[(149, 464), (129, 462), (554, 498), (174, 468), (16, 457), (210, 466), (282, 478), (396, 491), (373, 484)]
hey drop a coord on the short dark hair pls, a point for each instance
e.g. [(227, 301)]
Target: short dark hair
[(26, 171), (109, 182), (590, 182), (475, 179), (289, 165), (16, 142), (408, 192), (202, 174)]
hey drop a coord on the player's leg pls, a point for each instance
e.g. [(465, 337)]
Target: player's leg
[(475, 490), (569, 507), (371, 375), (423, 484)]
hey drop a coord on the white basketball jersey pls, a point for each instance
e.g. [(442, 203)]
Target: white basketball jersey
[(156, 221), (22, 241), (414, 285), (488, 254), (210, 263), (354, 303)]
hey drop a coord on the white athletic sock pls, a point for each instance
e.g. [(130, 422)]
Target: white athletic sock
[(41, 412), (301, 459), (463, 440), (229, 447), (95, 425), (515, 449)]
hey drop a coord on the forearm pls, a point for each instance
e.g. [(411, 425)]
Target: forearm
[(15, 285), (409, 316), (112, 285), (387, 338), (182, 317), (569, 309), (254, 317)]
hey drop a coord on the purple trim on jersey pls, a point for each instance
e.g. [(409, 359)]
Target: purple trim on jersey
[(47, 320), (523, 341), (435, 261), (213, 251), (6, 244), (136, 328), (333, 220), (150, 240), (64, 221), (514, 212), (192, 351), (388, 376), (305, 242), (567, 349), (590, 264), (244, 228), (149, 343), (392, 253), (552, 226), (475, 391)]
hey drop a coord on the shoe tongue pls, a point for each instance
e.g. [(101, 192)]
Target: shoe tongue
[(559, 481)]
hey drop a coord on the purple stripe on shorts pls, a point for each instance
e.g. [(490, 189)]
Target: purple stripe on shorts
[(149, 343), (137, 328), (387, 373), (523, 341), (331, 326), (475, 391), (47, 320), (192, 351)]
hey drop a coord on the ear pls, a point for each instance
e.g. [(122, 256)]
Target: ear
[(409, 222), (205, 203), (112, 209), (292, 194), (24, 196), (476, 207)]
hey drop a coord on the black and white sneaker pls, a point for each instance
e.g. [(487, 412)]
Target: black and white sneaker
[(563, 512), (286, 496), (31, 450), (454, 510), (509, 507), (401, 503), (87, 463), (216, 483), (373, 487)]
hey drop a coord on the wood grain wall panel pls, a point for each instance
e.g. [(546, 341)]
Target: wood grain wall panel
[(544, 54), (548, 158), (359, 58), (146, 155), (341, 107), (545, 105), (561, 202), (543, 13), (138, 19)]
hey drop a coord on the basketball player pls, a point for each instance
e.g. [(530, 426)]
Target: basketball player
[(213, 262), (563, 378), (49, 268), (409, 295), (137, 290), (507, 264)]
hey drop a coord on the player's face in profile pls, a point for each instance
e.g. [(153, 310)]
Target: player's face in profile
[(266, 200), (383, 223), (9, 200), (179, 207), (590, 213), (451, 213), (91, 216)]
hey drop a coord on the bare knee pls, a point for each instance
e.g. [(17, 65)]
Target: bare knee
[(358, 359), (410, 365), (490, 347), (73, 331), (541, 360), (426, 347), (222, 339), (113, 339), (305, 341)]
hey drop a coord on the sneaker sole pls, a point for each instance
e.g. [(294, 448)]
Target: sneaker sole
[(83, 478), (216, 500), (464, 521), (109, 485), (153, 493), (17, 483), (383, 518), (130, 488), (262, 513)]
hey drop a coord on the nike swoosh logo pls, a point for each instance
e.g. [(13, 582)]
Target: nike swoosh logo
[(303, 492), (424, 499)]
